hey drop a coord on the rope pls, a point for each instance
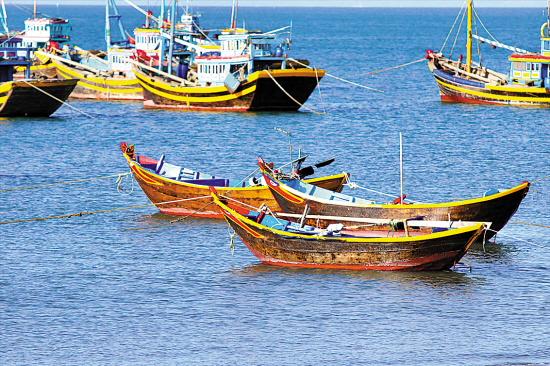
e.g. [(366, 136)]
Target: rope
[(525, 223), (352, 185), (526, 241), (396, 67), (120, 190), (101, 211), (337, 78), (319, 88), (69, 182), (173, 221), (290, 96), (457, 33), (59, 100), (232, 236), (448, 35), (242, 180), (483, 25), (538, 180)]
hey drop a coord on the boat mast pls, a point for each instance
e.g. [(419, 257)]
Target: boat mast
[(234, 15), (107, 25), (469, 39), (4, 18), (172, 30)]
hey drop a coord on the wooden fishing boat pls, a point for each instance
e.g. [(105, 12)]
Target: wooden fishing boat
[(527, 84), (283, 243), (29, 97), (323, 208), (251, 72), (174, 190)]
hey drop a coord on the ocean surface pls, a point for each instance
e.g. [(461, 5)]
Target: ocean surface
[(83, 291)]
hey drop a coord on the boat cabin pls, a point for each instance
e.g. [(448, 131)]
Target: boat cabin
[(241, 53), (531, 69), (39, 31), (9, 60)]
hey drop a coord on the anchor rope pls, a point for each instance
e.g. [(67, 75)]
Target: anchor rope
[(389, 68), (526, 223), (337, 78), (526, 241), (173, 221), (69, 182), (290, 96), (119, 183), (538, 180), (100, 211), (319, 88), (59, 100)]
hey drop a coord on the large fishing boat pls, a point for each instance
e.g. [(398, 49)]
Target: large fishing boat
[(181, 191), (28, 97), (284, 243), (528, 82), (251, 72), (321, 207), (39, 33), (109, 75)]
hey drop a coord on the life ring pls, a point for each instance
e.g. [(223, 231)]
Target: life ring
[(544, 25)]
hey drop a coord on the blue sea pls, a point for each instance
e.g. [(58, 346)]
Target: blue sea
[(83, 291)]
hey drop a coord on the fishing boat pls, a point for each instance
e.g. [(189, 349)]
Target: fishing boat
[(279, 242), (527, 83), (251, 72), (321, 207), (109, 75), (39, 33), (181, 191), (28, 97)]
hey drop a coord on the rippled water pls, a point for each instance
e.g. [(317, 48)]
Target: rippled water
[(83, 291)]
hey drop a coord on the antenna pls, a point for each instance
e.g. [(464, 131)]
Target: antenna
[(290, 143)]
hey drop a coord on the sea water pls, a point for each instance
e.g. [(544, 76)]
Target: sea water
[(83, 291)]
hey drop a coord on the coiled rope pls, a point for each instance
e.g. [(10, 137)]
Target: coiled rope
[(69, 182), (59, 100)]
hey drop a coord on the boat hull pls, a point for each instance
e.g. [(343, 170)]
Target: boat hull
[(183, 195), (497, 208), (461, 90), (258, 93), (427, 252), (90, 86), (19, 99)]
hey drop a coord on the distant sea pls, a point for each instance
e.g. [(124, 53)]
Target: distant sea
[(82, 291)]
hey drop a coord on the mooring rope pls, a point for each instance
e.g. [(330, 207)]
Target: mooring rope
[(526, 223), (173, 221), (59, 100), (319, 88), (100, 211), (290, 96), (69, 182), (526, 241), (335, 77), (538, 180)]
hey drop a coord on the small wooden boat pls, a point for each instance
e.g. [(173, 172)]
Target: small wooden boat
[(283, 243), (30, 97), (324, 208), (174, 190), (527, 83)]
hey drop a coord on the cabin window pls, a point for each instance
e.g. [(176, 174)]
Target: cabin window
[(517, 65), (546, 45), (528, 66)]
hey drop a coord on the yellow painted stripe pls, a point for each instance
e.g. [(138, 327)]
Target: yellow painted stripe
[(498, 97), (111, 90), (525, 89), (107, 81), (197, 99), (286, 73), (542, 60), (3, 100), (5, 87), (441, 234)]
